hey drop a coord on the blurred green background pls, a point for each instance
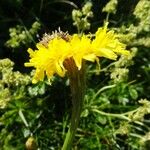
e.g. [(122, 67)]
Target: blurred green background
[(116, 114)]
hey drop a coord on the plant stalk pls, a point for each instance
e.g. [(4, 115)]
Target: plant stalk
[(77, 84)]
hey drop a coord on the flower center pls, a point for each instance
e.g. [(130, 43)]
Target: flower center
[(56, 34)]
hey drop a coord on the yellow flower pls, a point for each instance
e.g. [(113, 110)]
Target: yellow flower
[(80, 48), (48, 60), (51, 58), (107, 45)]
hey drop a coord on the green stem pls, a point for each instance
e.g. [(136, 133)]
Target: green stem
[(71, 132), (77, 84), (121, 116), (107, 17)]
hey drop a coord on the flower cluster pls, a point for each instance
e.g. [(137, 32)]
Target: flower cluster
[(50, 59), (20, 36), (81, 17)]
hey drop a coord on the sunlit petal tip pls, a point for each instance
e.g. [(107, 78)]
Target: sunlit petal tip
[(112, 57), (30, 50), (90, 57), (60, 71), (78, 62), (40, 46), (78, 65), (28, 65), (126, 52), (34, 81)]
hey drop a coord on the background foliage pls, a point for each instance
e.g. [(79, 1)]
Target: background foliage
[(117, 107)]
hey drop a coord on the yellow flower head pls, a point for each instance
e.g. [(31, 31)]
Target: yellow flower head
[(106, 44), (51, 56)]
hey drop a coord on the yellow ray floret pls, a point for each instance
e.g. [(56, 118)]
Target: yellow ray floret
[(49, 60)]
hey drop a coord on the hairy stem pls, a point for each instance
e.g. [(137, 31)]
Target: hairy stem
[(77, 84)]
